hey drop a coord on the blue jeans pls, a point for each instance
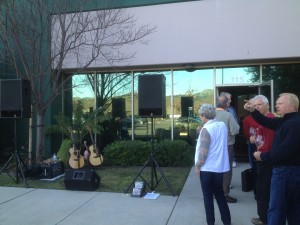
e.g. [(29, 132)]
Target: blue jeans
[(212, 185), (285, 196)]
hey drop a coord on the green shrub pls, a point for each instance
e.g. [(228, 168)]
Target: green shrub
[(63, 152), (136, 153), (124, 153), (174, 153)]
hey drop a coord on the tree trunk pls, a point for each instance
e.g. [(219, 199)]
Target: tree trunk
[(39, 136)]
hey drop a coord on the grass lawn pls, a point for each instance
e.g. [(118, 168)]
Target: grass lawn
[(114, 179)]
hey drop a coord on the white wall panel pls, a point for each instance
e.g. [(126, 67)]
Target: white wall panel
[(216, 30)]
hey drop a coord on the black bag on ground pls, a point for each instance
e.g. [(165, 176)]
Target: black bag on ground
[(247, 180)]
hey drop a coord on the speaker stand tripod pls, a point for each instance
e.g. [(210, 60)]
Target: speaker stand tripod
[(19, 164), (152, 162)]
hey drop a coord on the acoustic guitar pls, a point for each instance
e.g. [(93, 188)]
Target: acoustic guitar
[(76, 161), (95, 157)]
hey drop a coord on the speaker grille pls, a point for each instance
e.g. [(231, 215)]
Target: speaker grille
[(15, 98), (118, 107), (152, 99)]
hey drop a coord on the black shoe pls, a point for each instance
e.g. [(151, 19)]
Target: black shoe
[(230, 199), (257, 221)]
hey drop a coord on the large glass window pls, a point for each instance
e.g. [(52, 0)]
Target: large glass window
[(237, 76), (83, 91), (185, 92), (286, 78), (112, 95), (191, 89), (105, 95)]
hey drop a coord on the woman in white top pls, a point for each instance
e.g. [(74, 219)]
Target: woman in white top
[(211, 161)]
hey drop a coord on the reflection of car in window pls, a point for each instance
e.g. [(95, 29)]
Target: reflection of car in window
[(141, 121), (194, 122)]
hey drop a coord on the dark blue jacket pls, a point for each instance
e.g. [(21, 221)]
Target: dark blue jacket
[(285, 150)]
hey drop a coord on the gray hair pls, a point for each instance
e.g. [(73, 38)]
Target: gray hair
[(208, 111), (226, 94), (222, 102), (262, 98)]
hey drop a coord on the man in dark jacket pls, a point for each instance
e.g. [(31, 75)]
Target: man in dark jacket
[(285, 156)]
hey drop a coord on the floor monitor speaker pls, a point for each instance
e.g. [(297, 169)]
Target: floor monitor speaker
[(81, 179), (152, 95), (15, 98), (187, 103), (118, 107)]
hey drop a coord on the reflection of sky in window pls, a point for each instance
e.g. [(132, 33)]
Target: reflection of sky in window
[(184, 81), (81, 88), (195, 82)]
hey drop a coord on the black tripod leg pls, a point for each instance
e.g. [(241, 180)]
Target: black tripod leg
[(139, 174), (164, 177), (153, 174), (20, 165), (6, 164)]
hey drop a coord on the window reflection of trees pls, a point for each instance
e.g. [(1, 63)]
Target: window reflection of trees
[(115, 85), (286, 77)]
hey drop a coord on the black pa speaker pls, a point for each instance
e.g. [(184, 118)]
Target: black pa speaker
[(186, 103), (152, 95), (81, 179), (118, 107), (15, 99)]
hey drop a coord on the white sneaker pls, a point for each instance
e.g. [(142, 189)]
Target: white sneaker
[(234, 164)]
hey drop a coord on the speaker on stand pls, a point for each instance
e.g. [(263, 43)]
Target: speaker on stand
[(186, 103), (15, 101), (152, 102), (118, 108), (119, 114), (152, 95), (187, 109)]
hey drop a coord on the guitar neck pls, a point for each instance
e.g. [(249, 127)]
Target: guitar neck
[(72, 140), (92, 139)]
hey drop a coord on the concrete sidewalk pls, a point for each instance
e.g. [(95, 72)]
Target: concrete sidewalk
[(28, 206)]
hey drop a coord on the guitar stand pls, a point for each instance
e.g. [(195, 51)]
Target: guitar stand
[(18, 161), (152, 162)]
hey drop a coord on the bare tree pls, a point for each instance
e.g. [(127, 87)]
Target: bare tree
[(109, 86), (42, 38)]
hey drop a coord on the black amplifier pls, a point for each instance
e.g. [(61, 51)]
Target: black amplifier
[(51, 170)]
